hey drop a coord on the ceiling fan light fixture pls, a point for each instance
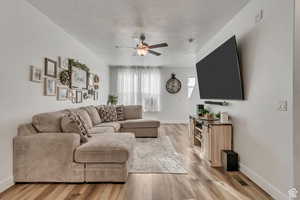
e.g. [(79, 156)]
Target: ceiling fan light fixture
[(142, 50)]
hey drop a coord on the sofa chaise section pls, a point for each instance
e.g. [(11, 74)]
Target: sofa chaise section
[(106, 157)]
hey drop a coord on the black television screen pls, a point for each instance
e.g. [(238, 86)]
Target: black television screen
[(219, 74)]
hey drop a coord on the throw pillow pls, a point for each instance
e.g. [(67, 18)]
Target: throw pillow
[(120, 113), (108, 113), (85, 118), (71, 123), (94, 115)]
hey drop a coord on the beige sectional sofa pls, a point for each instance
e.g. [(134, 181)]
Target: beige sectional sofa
[(44, 153)]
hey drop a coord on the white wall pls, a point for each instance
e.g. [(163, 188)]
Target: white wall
[(297, 97), (263, 136), (27, 36), (174, 107)]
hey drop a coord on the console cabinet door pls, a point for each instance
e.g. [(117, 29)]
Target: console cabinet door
[(206, 143), (221, 139)]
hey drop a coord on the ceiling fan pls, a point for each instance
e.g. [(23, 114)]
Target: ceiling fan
[(143, 48)]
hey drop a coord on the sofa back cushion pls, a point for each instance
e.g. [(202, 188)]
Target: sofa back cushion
[(48, 122), (85, 118), (108, 113), (94, 114), (133, 112), (26, 129)]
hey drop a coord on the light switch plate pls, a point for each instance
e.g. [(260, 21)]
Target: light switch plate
[(282, 106)]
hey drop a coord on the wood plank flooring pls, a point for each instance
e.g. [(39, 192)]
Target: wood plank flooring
[(201, 183)]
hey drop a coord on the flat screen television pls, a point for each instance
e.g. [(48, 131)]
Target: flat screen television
[(219, 74)]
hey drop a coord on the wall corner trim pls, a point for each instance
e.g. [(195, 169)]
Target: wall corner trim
[(263, 183)]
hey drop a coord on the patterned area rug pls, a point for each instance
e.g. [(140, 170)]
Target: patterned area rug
[(156, 155)]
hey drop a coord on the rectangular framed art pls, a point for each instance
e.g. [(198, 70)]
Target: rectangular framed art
[(50, 68), (79, 96), (79, 77), (50, 87), (62, 93), (35, 74)]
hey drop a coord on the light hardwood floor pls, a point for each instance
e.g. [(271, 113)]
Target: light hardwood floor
[(201, 183)]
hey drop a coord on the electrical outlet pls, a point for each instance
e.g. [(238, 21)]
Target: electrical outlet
[(259, 16), (282, 106)]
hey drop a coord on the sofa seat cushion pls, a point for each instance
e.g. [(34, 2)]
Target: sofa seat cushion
[(115, 125), (97, 130), (140, 123), (106, 148)]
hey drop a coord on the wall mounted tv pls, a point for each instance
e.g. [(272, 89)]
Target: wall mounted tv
[(219, 74)]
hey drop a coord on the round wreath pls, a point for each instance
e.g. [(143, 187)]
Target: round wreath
[(65, 77), (96, 79)]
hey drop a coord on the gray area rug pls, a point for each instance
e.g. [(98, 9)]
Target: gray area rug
[(156, 155)]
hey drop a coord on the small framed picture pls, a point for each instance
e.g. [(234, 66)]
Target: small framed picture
[(50, 68), (79, 97), (96, 96), (35, 74), (91, 80), (72, 95), (62, 93), (50, 87)]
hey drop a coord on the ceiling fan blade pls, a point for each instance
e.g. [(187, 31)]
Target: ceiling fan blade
[(154, 53), (158, 45), (120, 47)]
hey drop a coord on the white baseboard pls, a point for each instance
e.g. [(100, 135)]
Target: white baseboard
[(6, 183), (174, 122), (263, 183)]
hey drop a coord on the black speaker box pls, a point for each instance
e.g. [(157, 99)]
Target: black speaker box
[(230, 160)]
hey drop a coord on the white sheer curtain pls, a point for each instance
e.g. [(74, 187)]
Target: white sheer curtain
[(139, 86)]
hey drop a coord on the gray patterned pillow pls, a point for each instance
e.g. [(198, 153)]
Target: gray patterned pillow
[(71, 123), (120, 113), (108, 113)]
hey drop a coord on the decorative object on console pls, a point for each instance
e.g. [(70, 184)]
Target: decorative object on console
[(112, 100), (224, 117), (200, 109), (173, 85), (79, 96), (35, 74), (62, 93), (79, 74), (50, 87), (50, 68), (65, 77)]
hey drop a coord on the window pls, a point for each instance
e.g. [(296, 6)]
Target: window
[(139, 86), (191, 85)]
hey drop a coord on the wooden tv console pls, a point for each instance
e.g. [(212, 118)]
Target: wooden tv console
[(212, 137)]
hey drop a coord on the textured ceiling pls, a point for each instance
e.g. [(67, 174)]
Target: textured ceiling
[(103, 24)]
